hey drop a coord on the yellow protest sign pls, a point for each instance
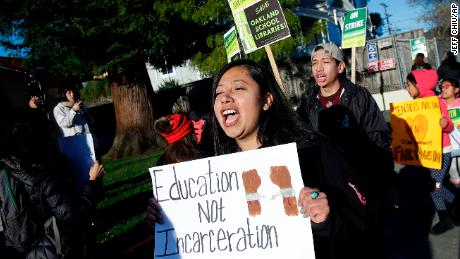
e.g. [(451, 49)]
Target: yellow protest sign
[(417, 136)]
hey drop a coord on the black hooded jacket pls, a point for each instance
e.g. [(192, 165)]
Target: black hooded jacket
[(359, 129), (362, 106), (48, 197), (354, 226)]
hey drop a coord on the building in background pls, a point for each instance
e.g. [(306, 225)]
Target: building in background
[(179, 75)]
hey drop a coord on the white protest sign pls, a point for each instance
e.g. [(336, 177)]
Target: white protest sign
[(243, 204)]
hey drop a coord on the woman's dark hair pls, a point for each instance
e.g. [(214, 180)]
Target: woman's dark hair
[(278, 125), (419, 59), (411, 78), (419, 62), (61, 95), (184, 149), (23, 138), (452, 81)]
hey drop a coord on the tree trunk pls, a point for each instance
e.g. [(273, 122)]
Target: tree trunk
[(134, 120)]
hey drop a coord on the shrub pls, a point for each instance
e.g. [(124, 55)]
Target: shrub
[(95, 90)]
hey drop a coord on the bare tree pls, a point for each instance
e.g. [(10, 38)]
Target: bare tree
[(436, 14)]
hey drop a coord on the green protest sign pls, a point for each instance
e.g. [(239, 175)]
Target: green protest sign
[(418, 45), (454, 114), (259, 23), (241, 23), (354, 28), (231, 44)]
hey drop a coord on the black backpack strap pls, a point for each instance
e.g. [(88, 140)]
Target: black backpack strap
[(1, 213), (57, 237), (8, 188), (3, 199), (56, 233)]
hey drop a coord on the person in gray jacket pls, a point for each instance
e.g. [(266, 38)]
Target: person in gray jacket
[(75, 141)]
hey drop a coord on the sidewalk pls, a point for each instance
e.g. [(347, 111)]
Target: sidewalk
[(415, 215), (445, 246)]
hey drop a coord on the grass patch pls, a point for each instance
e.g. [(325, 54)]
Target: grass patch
[(124, 179), (125, 192), (121, 228), (124, 169)]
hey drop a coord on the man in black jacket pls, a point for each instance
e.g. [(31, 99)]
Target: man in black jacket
[(348, 114), (333, 88), (449, 67)]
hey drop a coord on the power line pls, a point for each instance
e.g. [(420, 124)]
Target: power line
[(387, 16), (406, 19), (412, 27)]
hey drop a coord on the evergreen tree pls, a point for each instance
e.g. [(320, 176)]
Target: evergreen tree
[(377, 24), (75, 40)]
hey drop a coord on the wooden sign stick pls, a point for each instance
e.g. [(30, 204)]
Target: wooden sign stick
[(353, 65), (275, 70)]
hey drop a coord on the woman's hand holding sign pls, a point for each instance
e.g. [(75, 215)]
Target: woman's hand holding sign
[(314, 204), (154, 212)]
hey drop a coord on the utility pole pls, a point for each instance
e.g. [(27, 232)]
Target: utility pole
[(393, 40), (386, 17)]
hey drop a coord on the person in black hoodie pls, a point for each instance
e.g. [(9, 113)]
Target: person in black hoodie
[(449, 67), (30, 159), (348, 114), (250, 112)]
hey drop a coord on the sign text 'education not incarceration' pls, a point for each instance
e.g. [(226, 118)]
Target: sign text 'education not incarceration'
[(242, 204)]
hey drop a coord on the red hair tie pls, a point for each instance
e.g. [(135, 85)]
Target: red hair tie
[(181, 125)]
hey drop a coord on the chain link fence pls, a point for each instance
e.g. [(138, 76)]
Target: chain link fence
[(392, 79)]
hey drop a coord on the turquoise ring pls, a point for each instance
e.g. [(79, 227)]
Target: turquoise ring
[(314, 195)]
